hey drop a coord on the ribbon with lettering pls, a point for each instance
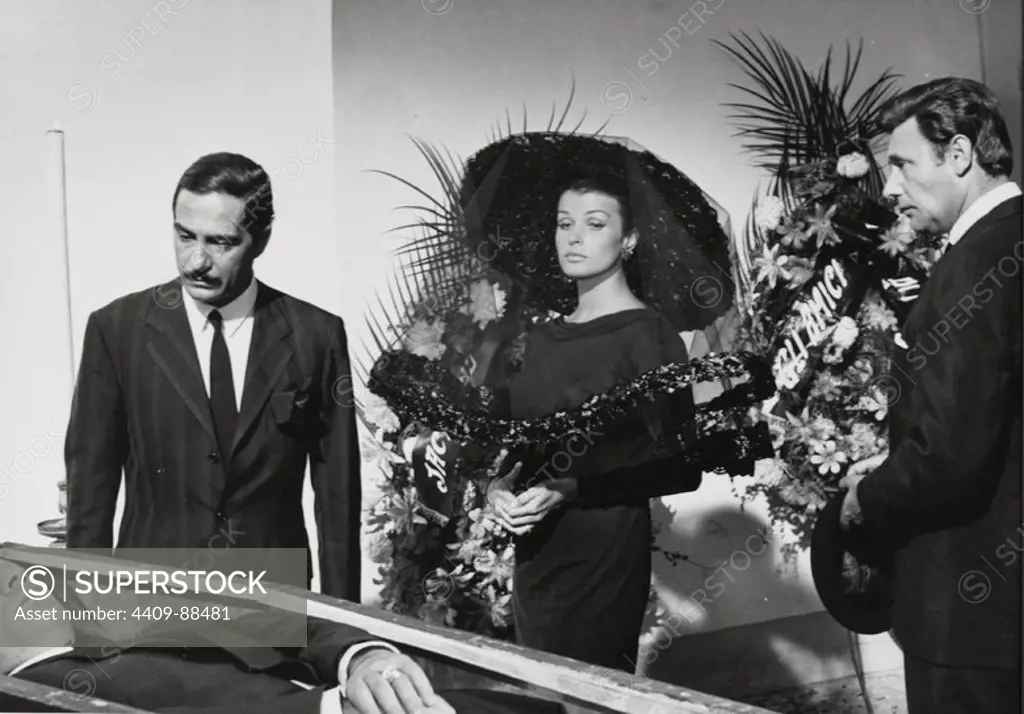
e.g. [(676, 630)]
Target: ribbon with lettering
[(432, 458), (836, 289)]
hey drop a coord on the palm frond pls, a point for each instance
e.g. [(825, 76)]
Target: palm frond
[(792, 116)]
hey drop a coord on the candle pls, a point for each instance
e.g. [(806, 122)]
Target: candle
[(57, 233)]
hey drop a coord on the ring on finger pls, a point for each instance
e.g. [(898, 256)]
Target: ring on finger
[(391, 674)]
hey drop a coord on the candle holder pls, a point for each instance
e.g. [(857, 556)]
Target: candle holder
[(57, 528)]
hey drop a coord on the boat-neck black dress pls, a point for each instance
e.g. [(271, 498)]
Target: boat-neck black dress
[(582, 575)]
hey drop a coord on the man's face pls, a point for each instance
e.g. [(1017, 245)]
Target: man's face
[(926, 187), (16, 631), (214, 253)]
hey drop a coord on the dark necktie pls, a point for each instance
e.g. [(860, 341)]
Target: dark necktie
[(222, 387)]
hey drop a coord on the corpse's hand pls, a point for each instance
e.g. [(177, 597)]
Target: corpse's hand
[(850, 514), (531, 506), (382, 682)]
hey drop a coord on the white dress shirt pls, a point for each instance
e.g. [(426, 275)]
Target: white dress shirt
[(981, 207), (238, 323), (330, 703)]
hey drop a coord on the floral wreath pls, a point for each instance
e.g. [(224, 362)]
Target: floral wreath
[(836, 416)]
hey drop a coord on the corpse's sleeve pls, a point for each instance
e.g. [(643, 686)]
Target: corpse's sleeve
[(946, 470)]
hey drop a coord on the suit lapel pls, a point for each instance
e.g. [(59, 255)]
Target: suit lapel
[(172, 348), (269, 354), (946, 263), (1001, 211)]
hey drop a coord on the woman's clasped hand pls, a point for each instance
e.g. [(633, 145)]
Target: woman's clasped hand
[(518, 514)]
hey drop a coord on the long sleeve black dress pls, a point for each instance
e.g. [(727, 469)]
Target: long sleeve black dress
[(582, 576)]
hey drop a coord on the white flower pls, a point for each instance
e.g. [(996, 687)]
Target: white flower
[(898, 239), (827, 386), (771, 267), (424, 339), (382, 455), (827, 457), (852, 166), (483, 303), (768, 214), (377, 412), (845, 333), (832, 354), (877, 315), (379, 548), (875, 402), (862, 441), (771, 472), (823, 428)]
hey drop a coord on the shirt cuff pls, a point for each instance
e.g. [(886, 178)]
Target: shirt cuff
[(350, 653), (330, 702)]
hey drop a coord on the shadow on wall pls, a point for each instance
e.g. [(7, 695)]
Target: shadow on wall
[(727, 626)]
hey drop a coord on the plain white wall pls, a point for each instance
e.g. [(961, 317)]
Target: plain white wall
[(447, 70), (143, 88)]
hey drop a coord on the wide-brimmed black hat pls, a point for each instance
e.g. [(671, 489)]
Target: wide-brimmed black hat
[(509, 198), (866, 608)]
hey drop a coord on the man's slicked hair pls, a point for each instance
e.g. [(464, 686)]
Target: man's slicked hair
[(949, 106), (237, 176)]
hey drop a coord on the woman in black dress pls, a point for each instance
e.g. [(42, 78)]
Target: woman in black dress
[(583, 554)]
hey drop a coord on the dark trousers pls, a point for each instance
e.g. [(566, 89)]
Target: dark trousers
[(937, 689)]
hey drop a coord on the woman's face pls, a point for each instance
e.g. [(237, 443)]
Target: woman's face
[(589, 237)]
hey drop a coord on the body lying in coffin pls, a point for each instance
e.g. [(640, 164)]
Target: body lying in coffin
[(219, 679), (226, 671)]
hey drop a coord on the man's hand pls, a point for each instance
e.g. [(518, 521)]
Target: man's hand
[(850, 514), (533, 505), (862, 468), (382, 682)]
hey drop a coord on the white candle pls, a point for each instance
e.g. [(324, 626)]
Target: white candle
[(57, 211), (57, 234)]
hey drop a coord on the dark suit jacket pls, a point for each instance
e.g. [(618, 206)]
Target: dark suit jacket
[(948, 497), (228, 680), (209, 679), (140, 405)]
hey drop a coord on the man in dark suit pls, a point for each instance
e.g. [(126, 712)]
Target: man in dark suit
[(341, 669), (210, 392), (947, 497)]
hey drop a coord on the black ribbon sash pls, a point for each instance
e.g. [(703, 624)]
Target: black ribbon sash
[(838, 285), (836, 289), (433, 457)]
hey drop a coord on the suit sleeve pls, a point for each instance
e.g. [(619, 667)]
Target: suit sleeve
[(96, 445), (301, 702), (945, 471), (335, 473), (326, 644)]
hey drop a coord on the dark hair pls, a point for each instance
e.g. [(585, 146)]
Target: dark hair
[(609, 186), (949, 106), (237, 176)]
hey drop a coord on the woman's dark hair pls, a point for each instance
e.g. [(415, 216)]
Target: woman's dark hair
[(608, 186), (237, 176), (949, 106)]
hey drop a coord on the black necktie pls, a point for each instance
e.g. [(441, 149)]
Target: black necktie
[(222, 387)]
